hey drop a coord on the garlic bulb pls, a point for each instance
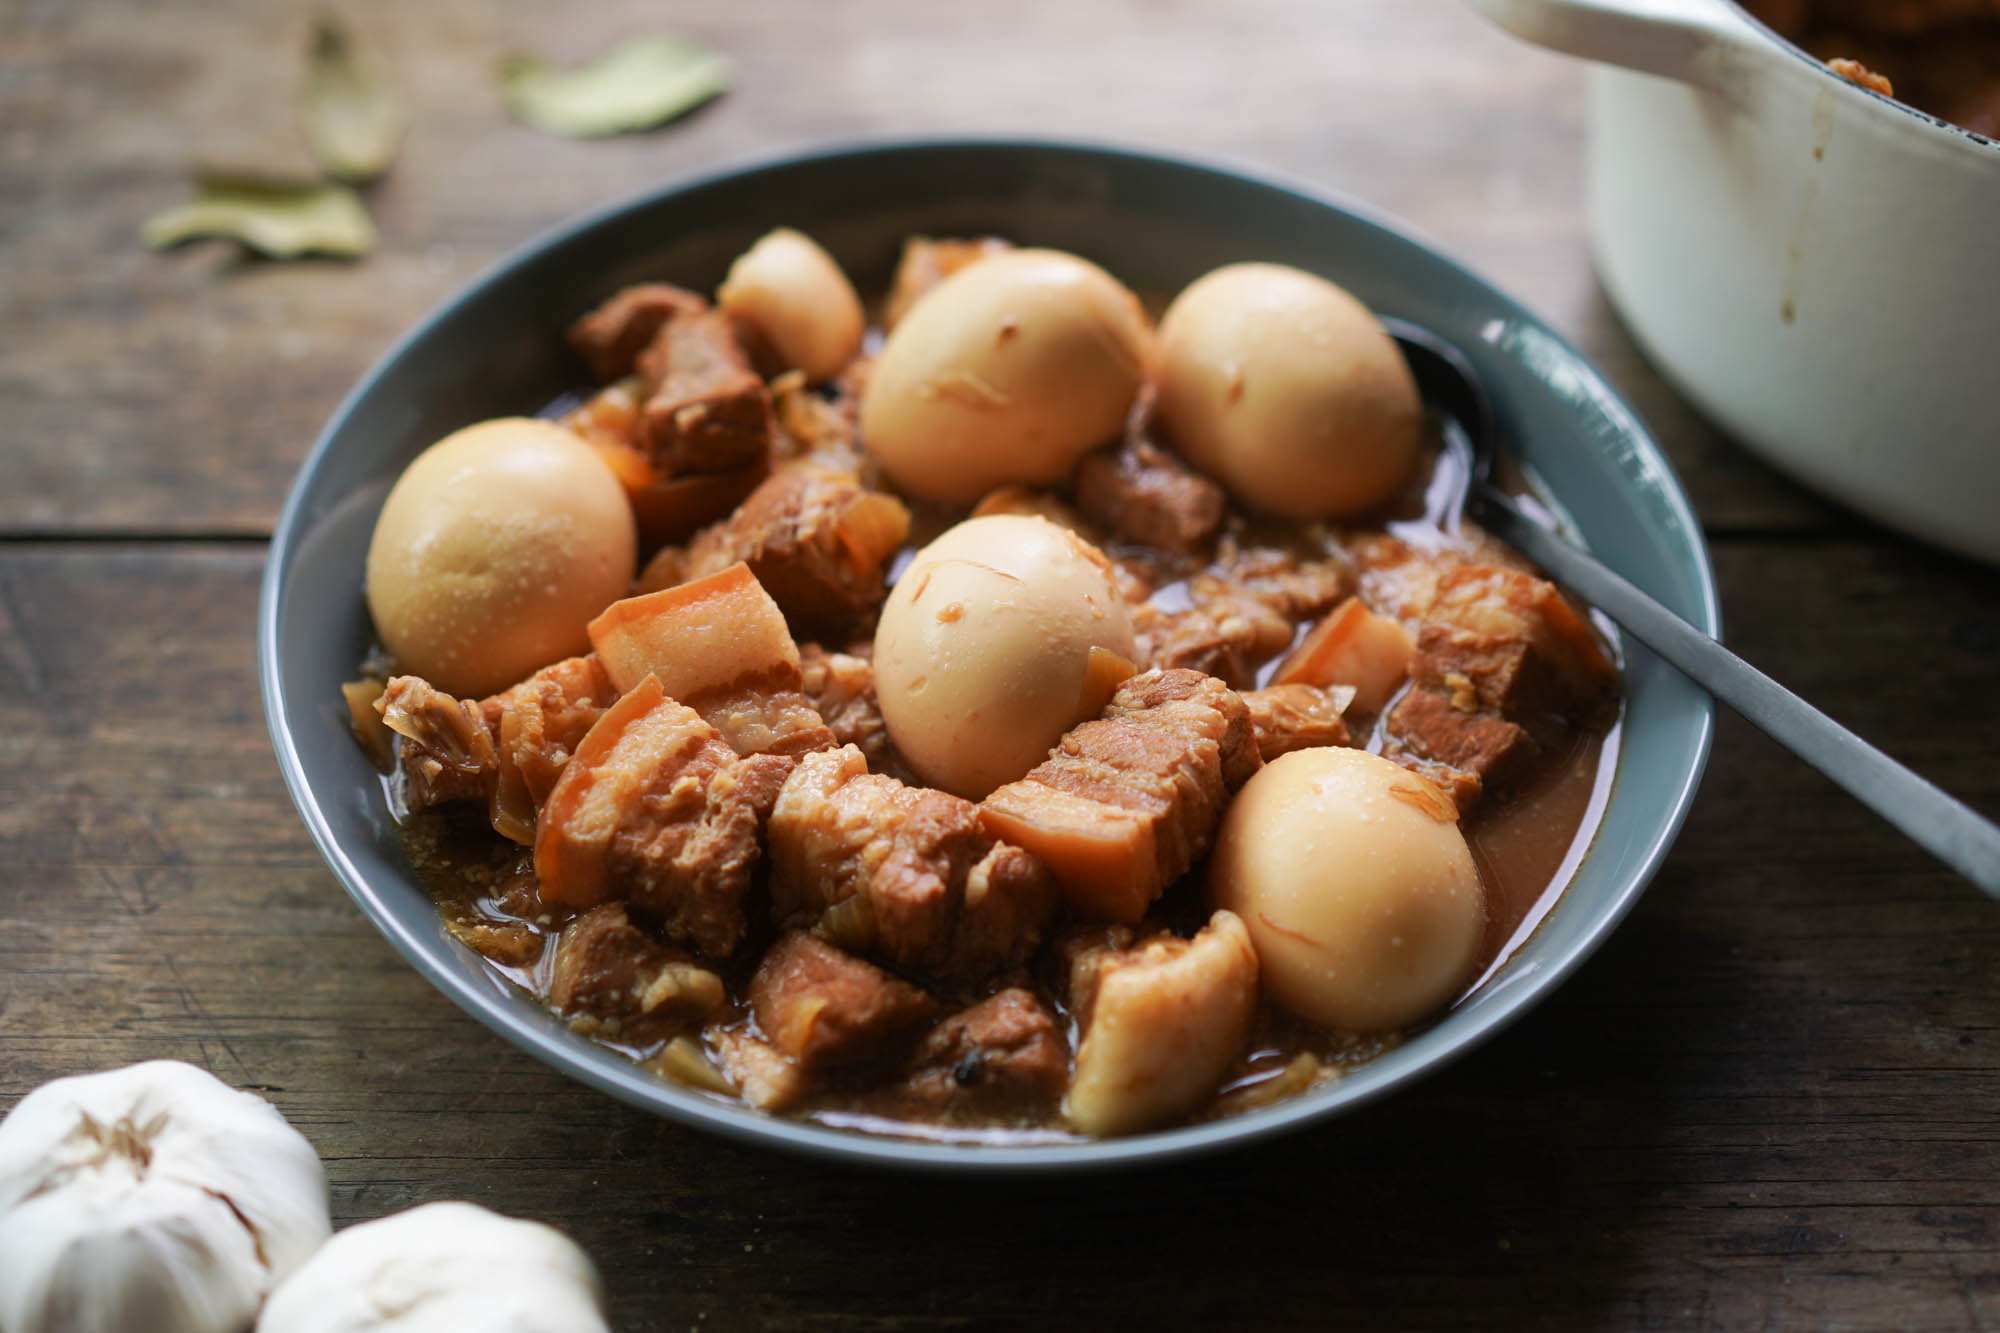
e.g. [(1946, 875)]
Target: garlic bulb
[(441, 1268), (153, 1198)]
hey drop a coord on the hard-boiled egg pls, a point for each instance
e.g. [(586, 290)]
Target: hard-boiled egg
[(1010, 370), (1002, 634), (1360, 893), (496, 547), (1284, 387)]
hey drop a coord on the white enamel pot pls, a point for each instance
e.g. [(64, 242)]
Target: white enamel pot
[(1815, 266)]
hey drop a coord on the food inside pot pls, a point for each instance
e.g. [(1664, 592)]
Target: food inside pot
[(1940, 56), (1023, 722)]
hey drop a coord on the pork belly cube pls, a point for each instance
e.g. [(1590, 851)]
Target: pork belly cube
[(1298, 717), (1353, 646), (447, 753), (1430, 726), (811, 424), (1197, 709), (719, 645), (1162, 1023), (611, 979), (707, 411), (1511, 674), (655, 807), (823, 1007), (1295, 586), (841, 688), (904, 874), (1140, 493), (537, 726), (926, 262), (1523, 649), (507, 749), (1222, 632), (1461, 788), (1006, 1055), (763, 1075), (816, 539), (1126, 803), (610, 338)]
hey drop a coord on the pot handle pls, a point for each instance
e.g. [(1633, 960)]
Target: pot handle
[(1695, 41)]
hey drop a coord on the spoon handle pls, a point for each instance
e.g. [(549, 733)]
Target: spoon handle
[(1940, 823)]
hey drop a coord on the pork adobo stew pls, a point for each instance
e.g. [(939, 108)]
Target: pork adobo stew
[(1021, 719)]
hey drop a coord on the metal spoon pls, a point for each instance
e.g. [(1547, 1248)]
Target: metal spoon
[(1941, 824)]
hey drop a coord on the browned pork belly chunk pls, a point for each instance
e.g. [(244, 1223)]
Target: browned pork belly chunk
[(1140, 493), (1298, 717), (611, 979), (656, 807), (1353, 646), (1221, 632), (1239, 614), (823, 1007), (1429, 727), (841, 687), (1520, 674), (610, 338), (904, 874), (815, 538), (1004, 1055), (538, 724), (707, 410), (765, 1076), (1516, 641), (508, 749), (926, 262), (1298, 587), (1162, 1023), (720, 645), (1126, 803), (447, 752), (812, 425)]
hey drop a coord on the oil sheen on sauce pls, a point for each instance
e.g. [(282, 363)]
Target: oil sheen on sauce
[(1527, 849)]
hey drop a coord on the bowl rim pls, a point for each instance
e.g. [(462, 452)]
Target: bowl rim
[(626, 1081)]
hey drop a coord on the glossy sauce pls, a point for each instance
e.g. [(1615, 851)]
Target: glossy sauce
[(1526, 848)]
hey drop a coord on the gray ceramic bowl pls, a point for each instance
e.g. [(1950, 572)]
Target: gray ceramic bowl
[(1157, 222)]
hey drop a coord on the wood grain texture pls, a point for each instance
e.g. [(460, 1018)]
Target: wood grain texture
[(1769, 1102), (179, 392)]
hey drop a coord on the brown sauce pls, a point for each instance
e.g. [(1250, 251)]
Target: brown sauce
[(1525, 846)]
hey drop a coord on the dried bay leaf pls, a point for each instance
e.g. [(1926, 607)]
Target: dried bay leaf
[(643, 83), (280, 218), (351, 117)]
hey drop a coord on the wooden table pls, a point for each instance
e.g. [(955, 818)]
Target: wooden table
[(1771, 1101)]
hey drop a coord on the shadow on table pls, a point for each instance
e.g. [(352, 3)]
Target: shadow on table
[(1518, 1181)]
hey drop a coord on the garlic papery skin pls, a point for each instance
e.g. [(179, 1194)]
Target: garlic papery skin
[(442, 1268), (150, 1199)]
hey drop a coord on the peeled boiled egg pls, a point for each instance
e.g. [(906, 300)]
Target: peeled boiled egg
[(1361, 896), (1010, 370), (1284, 387), (790, 291), (496, 547), (1002, 634)]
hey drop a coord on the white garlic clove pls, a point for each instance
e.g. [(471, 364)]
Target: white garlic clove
[(442, 1268), (153, 1197)]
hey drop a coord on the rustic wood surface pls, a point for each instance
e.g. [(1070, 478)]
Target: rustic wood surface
[(1771, 1101)]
